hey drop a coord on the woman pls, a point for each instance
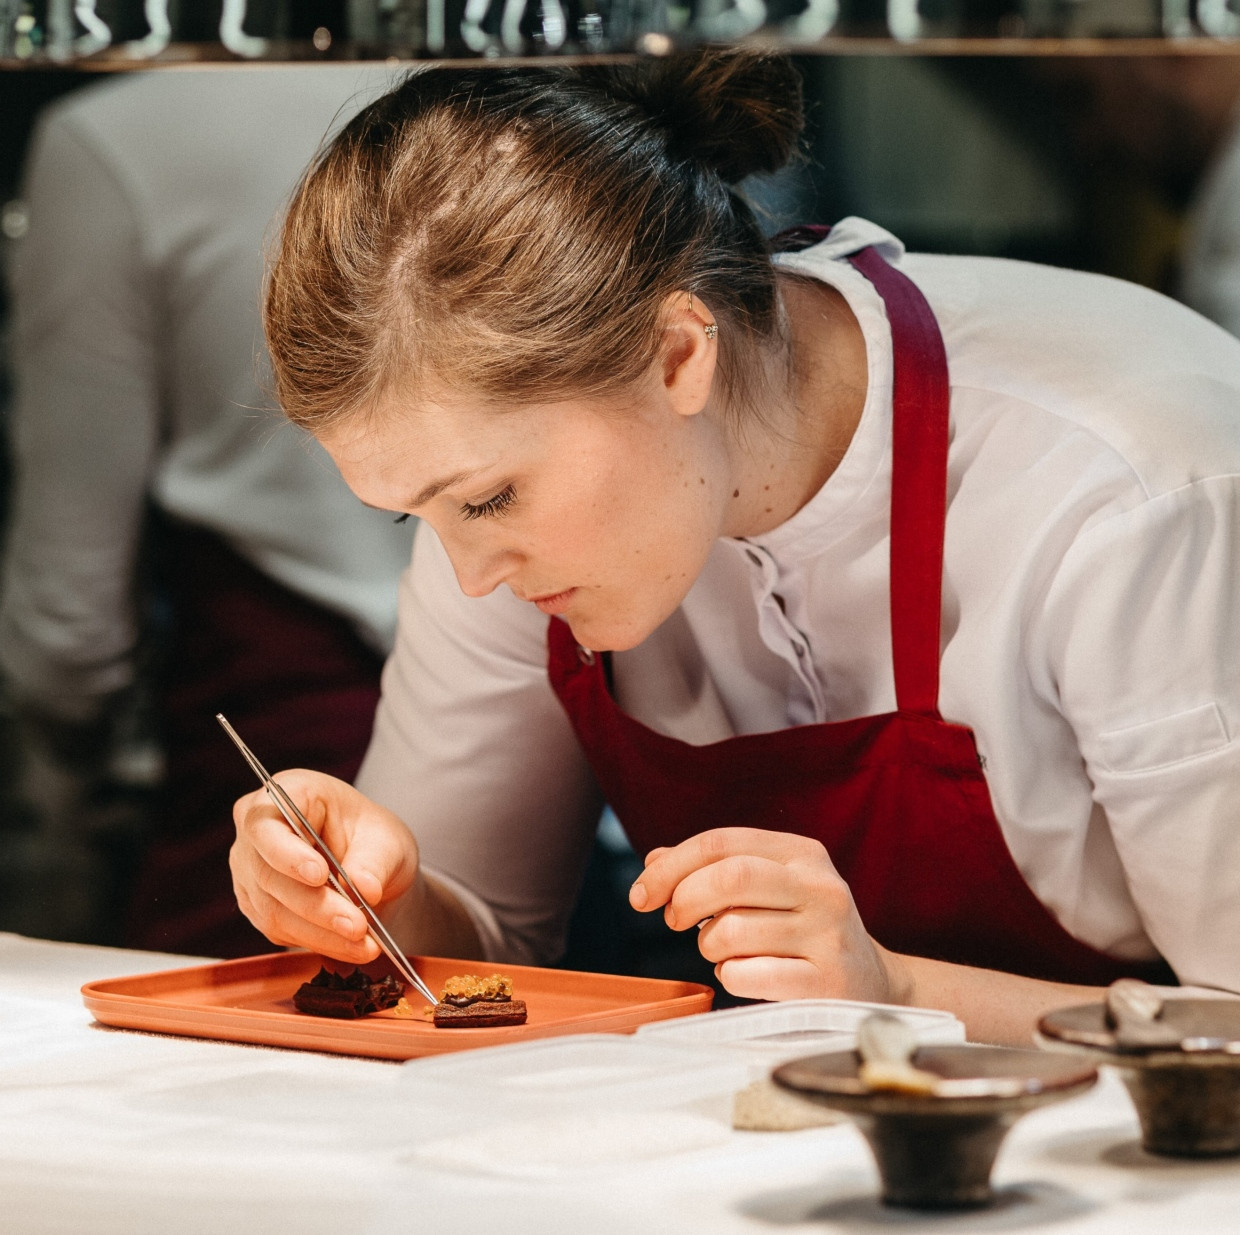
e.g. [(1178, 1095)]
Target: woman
[(889, 600)]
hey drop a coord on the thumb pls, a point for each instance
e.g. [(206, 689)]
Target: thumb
[(380, 866)]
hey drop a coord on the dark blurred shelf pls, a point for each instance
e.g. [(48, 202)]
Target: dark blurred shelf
[(988, 46), (207, 55)]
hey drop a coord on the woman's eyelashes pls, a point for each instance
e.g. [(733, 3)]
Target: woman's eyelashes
[(493, 507), (400, 518)]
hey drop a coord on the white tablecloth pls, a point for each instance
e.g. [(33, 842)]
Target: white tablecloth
[(106, 1131)]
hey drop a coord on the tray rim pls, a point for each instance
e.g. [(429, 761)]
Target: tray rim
[(112, 1003)]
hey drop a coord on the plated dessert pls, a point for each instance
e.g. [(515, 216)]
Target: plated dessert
[(467, 1001), (470, 1002), (346, 996)]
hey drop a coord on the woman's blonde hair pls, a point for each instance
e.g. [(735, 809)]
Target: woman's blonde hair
[(516, 232)]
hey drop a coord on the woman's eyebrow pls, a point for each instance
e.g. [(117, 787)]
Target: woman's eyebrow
[(435, 488)]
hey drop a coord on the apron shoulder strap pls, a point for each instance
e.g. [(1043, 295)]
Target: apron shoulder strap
[(920, 408), (918, 482)]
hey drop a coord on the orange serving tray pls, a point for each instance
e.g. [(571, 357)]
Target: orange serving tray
[(251, 1000)]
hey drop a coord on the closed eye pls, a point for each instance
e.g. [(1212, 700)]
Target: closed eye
[(493, 507), (400, 518)]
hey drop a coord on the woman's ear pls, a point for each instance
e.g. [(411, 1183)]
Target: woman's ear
[(690, 352)]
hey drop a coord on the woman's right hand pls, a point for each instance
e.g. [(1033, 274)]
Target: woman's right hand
[(281, 882)]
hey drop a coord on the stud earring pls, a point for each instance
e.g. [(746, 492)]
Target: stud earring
[(712, 331)]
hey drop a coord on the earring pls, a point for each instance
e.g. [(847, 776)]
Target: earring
[(712, 331)]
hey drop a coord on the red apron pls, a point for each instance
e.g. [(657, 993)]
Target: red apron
[(900, 801)]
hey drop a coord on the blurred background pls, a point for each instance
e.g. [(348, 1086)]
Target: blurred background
[(1119, 156)]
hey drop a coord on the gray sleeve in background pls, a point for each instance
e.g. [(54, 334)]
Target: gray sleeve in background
[(84, 430), (1210, 271)]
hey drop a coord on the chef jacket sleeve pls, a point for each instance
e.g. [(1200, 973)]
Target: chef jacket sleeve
[(472, 749), (84, 428), (1142, 628)]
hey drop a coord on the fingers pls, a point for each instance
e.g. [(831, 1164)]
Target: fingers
[(734, 883), (776, 918), (667, 868), (738, 868), (292, 913), (281, 882), (777, 954), (377, 866), (260, 824), (773, 977), (289, 927), (323, 907), (774, 934), (751, 932)]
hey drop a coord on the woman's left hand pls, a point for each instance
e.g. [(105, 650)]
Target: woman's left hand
[(776, 918)]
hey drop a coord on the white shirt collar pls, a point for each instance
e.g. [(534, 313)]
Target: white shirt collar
[(830, 513)]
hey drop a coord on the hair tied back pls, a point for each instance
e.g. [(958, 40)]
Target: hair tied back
[(737, 112)]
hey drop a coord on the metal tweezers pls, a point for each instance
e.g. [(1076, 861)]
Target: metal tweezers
[(337, 877)]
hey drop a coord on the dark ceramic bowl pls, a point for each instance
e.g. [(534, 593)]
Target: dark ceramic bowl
[(936, 1151), (1187, 1098)]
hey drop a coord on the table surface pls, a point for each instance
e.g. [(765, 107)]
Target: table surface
[(104, 1130)]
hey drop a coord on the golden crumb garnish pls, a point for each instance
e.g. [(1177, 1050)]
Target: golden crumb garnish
[(469, 988)]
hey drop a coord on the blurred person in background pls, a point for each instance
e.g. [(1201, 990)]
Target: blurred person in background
[(1170, 126), (1209, 278), (175, 547)]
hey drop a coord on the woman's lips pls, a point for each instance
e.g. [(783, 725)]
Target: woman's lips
[(557, 602)]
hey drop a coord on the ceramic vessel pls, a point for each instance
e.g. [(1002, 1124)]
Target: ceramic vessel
[(936, 1151), (1187, 1098)]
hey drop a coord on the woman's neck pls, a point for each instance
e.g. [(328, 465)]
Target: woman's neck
[(780, 466)]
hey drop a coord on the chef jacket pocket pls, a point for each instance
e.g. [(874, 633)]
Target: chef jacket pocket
[(1162, 743)]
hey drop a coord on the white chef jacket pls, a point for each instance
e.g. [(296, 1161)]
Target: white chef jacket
[(1091, 625), (140, 373)]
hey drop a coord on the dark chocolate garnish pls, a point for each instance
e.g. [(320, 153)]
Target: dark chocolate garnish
[(347, 996)]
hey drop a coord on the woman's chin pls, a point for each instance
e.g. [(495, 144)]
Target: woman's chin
[(606, 636)]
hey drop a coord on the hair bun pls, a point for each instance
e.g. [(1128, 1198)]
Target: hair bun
[(739, 112)]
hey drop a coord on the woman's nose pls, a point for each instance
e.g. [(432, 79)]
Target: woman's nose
[(480, 571)]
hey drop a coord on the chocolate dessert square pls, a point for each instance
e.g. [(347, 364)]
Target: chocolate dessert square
[(482, 1014), (346, 996)]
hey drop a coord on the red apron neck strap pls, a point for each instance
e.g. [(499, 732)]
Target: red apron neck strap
[(918, 482)]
